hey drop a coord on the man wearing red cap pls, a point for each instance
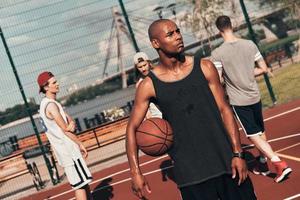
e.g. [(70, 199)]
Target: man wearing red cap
[(59, 128)]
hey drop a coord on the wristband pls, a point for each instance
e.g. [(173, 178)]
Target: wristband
[(239, 155)]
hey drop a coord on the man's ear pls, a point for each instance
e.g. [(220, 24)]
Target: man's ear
[(155, 43), (46, 87)]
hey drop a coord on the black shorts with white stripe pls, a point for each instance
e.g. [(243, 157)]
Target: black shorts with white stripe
[(250, 118)]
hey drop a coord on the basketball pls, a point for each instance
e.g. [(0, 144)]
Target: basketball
[(154, 136)]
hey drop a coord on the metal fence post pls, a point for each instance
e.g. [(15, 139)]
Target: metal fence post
[(253, 38), (27, 106)]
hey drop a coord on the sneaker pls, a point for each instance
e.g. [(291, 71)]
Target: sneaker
[(261, 168), (282, 171)]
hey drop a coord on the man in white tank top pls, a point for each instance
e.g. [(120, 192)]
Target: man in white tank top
[(59, 128)]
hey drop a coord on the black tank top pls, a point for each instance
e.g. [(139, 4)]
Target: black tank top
[(201, 148)]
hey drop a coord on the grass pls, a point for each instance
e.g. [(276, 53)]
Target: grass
[(285, 83)]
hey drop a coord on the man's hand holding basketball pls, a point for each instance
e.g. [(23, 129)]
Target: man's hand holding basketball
[(140, 185), (238, 165)]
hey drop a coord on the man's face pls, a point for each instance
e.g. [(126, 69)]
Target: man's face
[(143, 67), (53, 86), (169, 38)]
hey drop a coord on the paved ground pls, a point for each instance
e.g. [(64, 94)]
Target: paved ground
[(283, 131), (98, 159)]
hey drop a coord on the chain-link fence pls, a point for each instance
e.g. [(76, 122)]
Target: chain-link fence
[(87, 44)]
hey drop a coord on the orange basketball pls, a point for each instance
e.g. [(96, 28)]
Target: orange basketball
[(154, 136)]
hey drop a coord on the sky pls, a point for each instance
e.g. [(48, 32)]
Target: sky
[(70, 38), (66, 37)]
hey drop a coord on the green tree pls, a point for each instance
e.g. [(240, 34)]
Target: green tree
[(202, 18), (92, 92), (281, 27), (292, 5), (17, 112)]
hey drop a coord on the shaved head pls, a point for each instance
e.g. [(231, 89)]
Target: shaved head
[(155, 27), (165, 37)]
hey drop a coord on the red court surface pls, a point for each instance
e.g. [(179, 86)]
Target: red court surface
[(283, 131)]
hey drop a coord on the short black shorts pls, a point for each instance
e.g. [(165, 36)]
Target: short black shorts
[(250, 118), (222, 187)]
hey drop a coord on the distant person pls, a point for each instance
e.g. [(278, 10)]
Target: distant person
[(60, 128), (235, 58), (144, 65), (207, 154)]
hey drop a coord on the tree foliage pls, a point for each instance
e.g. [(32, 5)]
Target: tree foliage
[(92, 92), (202, 18), (17, 112), (293, 5)]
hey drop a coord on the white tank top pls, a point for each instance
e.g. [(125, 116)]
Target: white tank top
[(65, 149), (154, 111)]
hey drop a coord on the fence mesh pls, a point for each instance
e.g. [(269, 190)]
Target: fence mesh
[(77, 42)]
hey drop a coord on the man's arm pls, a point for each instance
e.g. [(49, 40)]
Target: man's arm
[(53, 110), (215, 86), (262, 68), (148, 114), (143, 94), (69, 118), (71, 123)]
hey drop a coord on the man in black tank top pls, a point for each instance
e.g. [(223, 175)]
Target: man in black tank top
[(207, 154)]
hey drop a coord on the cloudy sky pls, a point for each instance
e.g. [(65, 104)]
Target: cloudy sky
[(67, 37)]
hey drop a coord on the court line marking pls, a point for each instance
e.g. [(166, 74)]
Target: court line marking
[(111, 175), (292, 197), (279, 115), (162, 169), (288, 157), (159, 158), (291, 146), (275, 139), (284, 113), (128, 179), (117, 173)]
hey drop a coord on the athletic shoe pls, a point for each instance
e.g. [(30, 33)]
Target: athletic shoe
[(261, 168), (282, 170)]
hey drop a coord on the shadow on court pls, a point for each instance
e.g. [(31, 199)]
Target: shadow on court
[(104, 190), (167, 170), (251, 162)]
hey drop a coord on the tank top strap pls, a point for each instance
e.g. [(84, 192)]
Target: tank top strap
[(155, 80), (197, 71), (197, 59), (152, 76), (196, 67)]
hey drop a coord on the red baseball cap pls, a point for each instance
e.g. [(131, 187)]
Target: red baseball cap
[(43, 78)]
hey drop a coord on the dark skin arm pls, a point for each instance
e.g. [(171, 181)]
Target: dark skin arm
[(238, 165), (143, 94)]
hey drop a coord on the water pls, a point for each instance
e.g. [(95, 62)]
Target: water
[(83, 110)]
